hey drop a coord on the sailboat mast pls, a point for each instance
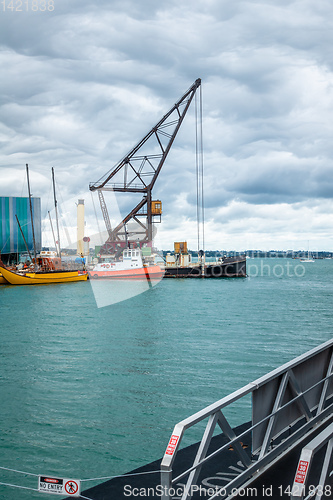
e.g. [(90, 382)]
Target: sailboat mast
[(54, 240), (56, 213), (32, 219), (22, 234)]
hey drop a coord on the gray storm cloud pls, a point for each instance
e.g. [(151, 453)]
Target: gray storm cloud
[(81, 84)]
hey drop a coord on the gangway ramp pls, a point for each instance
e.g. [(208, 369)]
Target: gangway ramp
[(289, 407)]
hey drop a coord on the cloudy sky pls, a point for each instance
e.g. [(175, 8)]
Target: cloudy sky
[(82, 82)]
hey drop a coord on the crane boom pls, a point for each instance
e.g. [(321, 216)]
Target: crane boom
[(137, 172), (105, 213)]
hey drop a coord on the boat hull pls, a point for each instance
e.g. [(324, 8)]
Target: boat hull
[(229, 268), (40, 278), (147, 272), (3, 281)]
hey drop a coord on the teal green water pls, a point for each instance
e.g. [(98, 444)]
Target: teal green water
[(88, 392)]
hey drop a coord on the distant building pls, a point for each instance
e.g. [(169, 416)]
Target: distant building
[(11, 240)]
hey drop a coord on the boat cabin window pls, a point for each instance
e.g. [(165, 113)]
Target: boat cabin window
[(130, 253)]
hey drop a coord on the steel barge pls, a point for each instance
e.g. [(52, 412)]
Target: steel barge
[(180, 265), (231, 267)]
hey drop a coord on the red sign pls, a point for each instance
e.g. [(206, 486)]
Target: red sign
[(172, 445), (52, 480), (301, 471)]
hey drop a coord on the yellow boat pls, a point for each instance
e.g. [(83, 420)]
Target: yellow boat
[(42, 277)]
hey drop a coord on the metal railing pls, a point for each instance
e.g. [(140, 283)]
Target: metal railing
[(286, 404), (304, 466)]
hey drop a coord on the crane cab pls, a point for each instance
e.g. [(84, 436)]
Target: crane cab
[(156, 207)]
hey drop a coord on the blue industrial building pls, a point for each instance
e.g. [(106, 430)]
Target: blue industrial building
[(11, 240)]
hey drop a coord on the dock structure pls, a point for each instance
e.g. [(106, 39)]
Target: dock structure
[(284, 451)]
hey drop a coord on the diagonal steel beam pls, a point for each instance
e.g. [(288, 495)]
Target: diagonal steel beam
[(272, 421), (185, 100), (227, 430), (302, 404), (201, 453), (325, 386)]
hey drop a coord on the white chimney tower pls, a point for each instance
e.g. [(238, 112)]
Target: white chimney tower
[(80, 227)]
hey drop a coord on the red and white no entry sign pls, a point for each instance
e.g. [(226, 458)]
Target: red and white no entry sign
[(71, 487)]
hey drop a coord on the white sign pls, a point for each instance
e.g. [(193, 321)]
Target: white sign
[(59, 486)]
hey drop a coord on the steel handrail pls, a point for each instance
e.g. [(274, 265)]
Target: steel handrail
[(270, 453), (250, 429)]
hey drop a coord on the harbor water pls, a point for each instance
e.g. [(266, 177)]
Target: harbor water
[(90, 392)]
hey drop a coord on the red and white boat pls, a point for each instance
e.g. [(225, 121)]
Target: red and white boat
[(131, 267)]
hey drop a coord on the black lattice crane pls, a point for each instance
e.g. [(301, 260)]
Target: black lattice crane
[(137, 173)]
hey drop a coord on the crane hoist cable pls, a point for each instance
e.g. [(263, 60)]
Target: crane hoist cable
[(199, 172)]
